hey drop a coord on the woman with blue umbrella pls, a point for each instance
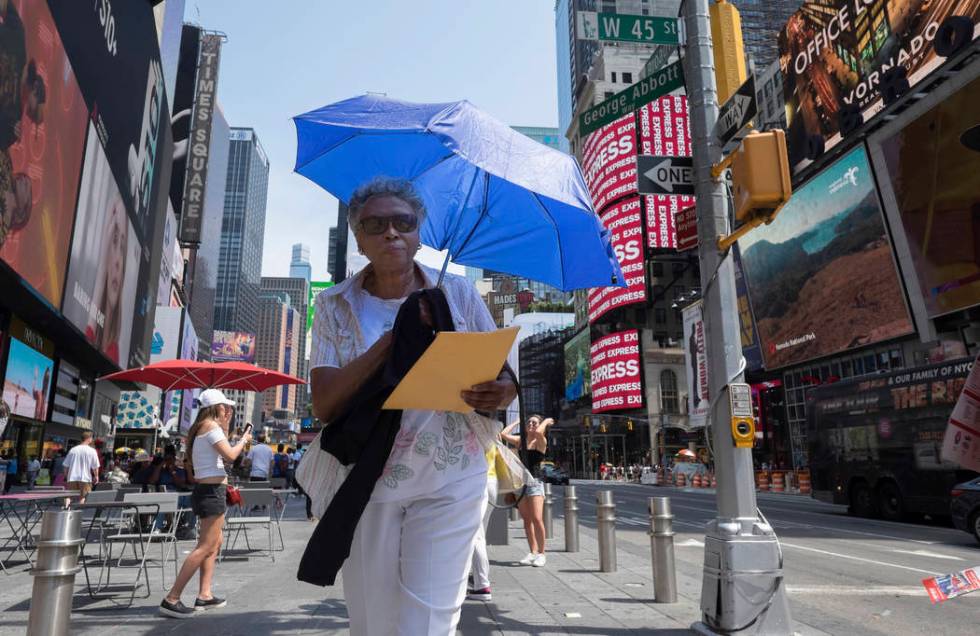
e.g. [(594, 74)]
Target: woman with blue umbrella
[(491, 198)]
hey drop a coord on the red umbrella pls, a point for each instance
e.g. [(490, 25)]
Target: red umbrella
[(171, 375)]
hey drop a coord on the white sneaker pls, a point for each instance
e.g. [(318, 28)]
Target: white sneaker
[(529, 559), (539, 560)]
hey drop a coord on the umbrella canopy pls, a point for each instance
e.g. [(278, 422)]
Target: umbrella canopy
[(495, 198), (684, 452), (171, 375), (123, 449)]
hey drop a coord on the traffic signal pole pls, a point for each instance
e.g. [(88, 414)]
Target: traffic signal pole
[(743, 590)]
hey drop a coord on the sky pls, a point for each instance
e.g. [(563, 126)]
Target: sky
[(289, 57)]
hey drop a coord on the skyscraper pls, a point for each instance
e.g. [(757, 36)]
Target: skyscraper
[(761, 24), (236, 304), (299, 266), (337, 258), (277, 348), (298, 291)]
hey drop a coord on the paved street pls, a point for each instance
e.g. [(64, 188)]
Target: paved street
[(844, 575)]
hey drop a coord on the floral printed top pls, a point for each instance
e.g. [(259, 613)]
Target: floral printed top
[(433, 448)]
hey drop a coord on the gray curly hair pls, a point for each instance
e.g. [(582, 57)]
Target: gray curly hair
[(384, 187)]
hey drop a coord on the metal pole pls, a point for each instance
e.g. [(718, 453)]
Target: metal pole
[(571, 520), (549, 526), (54, 573), (606, 525), (514, 516), (662, 550), (731, 601)]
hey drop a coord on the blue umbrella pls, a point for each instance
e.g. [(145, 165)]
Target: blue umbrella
[(496, 199)]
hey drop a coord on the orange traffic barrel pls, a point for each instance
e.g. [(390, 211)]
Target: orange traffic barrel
[(714, 481), (696, 481), (681, 480), (777, 482), (804, 478), (761, 480)]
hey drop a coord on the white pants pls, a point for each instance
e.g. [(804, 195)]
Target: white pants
[(481, 563), (407, 569)]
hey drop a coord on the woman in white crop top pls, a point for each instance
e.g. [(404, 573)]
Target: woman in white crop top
[(207, 450)]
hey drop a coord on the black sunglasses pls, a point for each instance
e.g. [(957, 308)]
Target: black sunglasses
[(375, 225)]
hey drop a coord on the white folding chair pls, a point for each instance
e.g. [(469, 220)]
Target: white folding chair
[(257, 500)]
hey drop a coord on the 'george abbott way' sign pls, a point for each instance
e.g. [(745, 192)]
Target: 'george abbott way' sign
[(666, 80)]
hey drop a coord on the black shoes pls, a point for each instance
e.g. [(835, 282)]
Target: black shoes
[(212, 603), (175, 610)]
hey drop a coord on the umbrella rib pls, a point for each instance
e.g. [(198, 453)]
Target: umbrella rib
[(551, 219)]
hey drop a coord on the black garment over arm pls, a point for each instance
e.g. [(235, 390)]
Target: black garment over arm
[(364, 436)]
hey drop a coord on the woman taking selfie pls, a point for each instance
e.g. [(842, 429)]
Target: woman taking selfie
[(531, 505), (207, 450)]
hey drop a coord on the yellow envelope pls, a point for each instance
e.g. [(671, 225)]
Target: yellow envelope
[(454, 362)]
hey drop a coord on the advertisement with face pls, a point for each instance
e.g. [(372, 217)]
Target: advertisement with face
[(28, 382), (42, 137), (578, 380), (836, 54), (609, 161), (821, 277), (616, 375), (105, 255), (625, 224), (232, 346), (932, 166)]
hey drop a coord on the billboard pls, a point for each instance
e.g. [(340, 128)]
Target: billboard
[(166, 333), (28, 382), (930, 174), (746, 321), (100, 295), (821, 277), (188, 351), (42, 137), (664, 130), (232, 346), (136, 409), (616, 378), (695, 365), (609, 161), (625, 224), (578, 381), (835, 55), (316, 287)]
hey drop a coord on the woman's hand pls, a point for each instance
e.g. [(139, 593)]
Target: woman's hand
[(489, 396)]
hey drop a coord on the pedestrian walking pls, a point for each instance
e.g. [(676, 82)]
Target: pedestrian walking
[(531, 505), (82, 467), (420, 479), (207, 450), (480, 571), (261, 458), (33, 468)]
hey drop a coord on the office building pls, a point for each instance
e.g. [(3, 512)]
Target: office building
[(761, 24), (277, 348), (242, 234), (299, 266), (298, 290), (337, 256)]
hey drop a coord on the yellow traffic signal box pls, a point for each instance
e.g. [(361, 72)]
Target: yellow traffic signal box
[(760, 175), (729, 51)]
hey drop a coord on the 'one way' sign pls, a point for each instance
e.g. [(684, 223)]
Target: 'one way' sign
[(665, 175)]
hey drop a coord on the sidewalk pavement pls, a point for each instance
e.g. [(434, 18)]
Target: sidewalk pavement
[(568, 596)]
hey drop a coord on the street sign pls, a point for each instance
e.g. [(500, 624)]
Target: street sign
[(665, 175), (638, 28), (588, 26), (736, 113), (667, 79)]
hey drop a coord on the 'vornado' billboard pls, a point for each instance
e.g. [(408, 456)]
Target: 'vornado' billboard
[(836, 56)]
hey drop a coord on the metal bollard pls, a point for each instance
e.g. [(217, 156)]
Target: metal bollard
[(606, 522), (571, 520), (514, 514), (662, 549), (54, 572), (547, 516)]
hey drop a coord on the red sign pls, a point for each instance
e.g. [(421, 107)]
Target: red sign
[(686, 220), (625, 224), (664, 131), (609, 161), (616, 380)]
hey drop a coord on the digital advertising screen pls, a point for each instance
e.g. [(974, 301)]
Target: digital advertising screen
[(42, 138), (821, 277), (609, 161), (664, 131), (233, 346), (578, 381), (836, 54), (624, 220), (100, 294), (28, 382), (931, 171), (617, 381)]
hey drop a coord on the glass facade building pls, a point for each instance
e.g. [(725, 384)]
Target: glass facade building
[(236, 304)]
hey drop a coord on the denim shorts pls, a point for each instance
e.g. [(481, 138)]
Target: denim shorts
[(534, 487), (208, 500)]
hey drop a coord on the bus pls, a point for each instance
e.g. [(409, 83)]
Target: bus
[(875, 442)]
